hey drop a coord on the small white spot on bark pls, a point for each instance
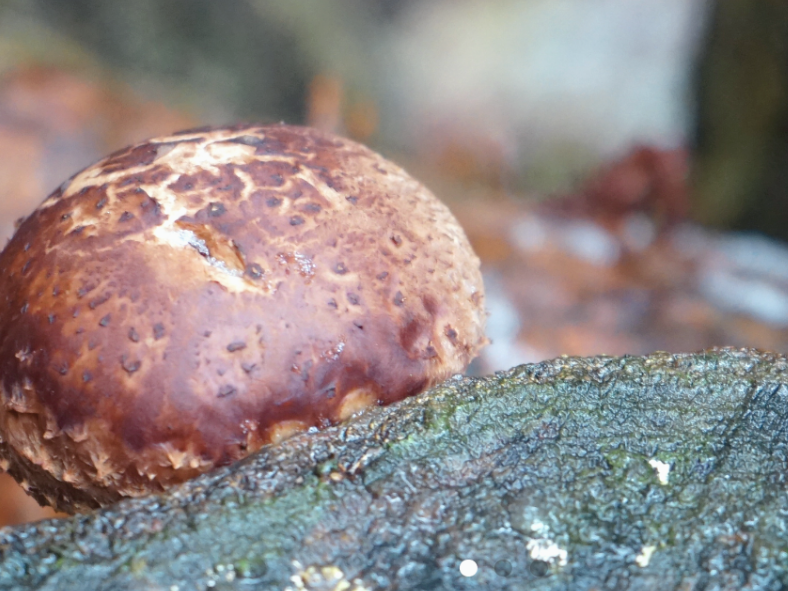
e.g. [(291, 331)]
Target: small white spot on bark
[(547, 550), (469, 568), (543, 548), (663, 470), (324, 577), (645, 555)]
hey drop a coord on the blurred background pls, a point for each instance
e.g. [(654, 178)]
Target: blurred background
[(620, 166)]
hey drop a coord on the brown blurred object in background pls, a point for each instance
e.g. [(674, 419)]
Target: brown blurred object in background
[(17, 507), (325, 102), (615, 268), (647, 179), (329, 108), (52, 124)]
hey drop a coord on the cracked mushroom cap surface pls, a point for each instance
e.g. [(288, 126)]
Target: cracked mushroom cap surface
[(191, 298)]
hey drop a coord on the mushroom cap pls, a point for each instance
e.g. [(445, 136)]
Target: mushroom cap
[(189, 299)]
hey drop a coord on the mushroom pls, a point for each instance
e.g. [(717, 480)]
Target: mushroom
[(187, 300)]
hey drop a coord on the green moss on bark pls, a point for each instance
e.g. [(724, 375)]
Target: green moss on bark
[(658, 472)]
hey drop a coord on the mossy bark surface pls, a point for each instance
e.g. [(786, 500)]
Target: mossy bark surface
[(659, 472)]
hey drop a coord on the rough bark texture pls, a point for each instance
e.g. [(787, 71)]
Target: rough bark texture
[(660, 472)]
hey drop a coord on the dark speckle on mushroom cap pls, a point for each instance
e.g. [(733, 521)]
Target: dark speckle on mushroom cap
[(207, 321)]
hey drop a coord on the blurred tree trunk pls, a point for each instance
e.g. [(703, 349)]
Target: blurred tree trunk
[(741, 141)]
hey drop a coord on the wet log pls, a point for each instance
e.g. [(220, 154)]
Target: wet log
[(658, 472)]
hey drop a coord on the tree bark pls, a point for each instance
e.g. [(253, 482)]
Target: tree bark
[(660, 472)]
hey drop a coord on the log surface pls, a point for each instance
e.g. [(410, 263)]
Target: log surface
[(660, 472)]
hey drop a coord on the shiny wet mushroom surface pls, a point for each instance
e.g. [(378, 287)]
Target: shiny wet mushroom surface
[(189, 299)]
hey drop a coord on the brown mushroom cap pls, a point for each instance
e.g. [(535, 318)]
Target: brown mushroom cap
[(186, 300)]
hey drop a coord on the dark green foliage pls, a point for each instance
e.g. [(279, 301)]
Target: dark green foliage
[(552, 457)]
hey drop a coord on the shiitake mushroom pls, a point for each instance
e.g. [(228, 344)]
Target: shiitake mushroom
[(186, 300)]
